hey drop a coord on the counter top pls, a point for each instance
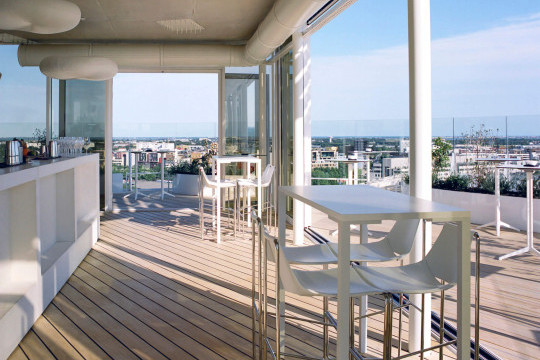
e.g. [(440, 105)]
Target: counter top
[(19, 174)]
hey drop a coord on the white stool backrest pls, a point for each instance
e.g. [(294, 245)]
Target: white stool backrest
[(204, 178), (443, 256), (266, 177), (401, 236), (201, 179), (287, 277)]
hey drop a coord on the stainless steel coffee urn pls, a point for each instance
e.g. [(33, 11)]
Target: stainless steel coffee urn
[(13, 152), (53, 148)]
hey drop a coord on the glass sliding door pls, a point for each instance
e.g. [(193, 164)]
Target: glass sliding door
[(285, 86), (22, 101), (242, 111), (82, 114)]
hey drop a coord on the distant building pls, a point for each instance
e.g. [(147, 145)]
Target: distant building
[(404, 146), (324, 157)]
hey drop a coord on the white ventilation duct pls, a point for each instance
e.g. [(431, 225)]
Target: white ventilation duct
[(285, 17), (39, 16), (141, 57), (78, 67)]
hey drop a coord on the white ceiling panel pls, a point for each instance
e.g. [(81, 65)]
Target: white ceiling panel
[(232, 21)]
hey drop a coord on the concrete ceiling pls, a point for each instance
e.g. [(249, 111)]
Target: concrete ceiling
[(225, 21)]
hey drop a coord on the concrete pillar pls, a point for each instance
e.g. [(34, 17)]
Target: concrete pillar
[(420, 142)]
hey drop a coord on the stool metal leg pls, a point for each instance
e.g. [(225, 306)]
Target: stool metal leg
[(422, 327), (351, 325), (400, 322), (388, 317), (326, 337), (441, 326), (265, 298), (278, 308), (253, 302), (261, 294)]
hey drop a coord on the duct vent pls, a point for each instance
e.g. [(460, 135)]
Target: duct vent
[(182, 26)]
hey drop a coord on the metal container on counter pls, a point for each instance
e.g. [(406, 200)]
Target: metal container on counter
[(53, 148), (13, 152)]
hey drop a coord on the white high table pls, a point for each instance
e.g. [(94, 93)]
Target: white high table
[(219, 160), (363, 204), (529, 170), (163, 192), (498, 223), (137, 191), (352, 169)]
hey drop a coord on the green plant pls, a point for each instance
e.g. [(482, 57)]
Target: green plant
[(192, 167), (476, 140), (406, 178), (453, 182), (439, 155), (40, 136)]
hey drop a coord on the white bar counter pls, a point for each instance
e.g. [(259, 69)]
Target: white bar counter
[(49, 220)]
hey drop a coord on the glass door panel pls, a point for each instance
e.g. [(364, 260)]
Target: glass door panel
[(286, 115), (82, 114)]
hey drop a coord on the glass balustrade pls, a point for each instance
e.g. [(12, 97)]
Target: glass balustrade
[(463, 140)]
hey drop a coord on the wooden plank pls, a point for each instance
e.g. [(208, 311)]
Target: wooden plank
[(18, 354), (110, 344), (121, 325), (76, 337), (34, 348), (164, 336), (56, 343), (225, 312)]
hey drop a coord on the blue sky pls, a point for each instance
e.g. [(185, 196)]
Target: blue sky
[(485, 65), (485, 57)]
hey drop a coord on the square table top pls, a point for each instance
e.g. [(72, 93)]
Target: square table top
[(364, 203)]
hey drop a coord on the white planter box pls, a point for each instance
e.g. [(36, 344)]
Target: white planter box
[(185, 184), (118, 183), (482, 207)]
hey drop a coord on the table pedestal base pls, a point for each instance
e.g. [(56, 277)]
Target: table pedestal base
[(528, 248), (136, 193), (497, 228), (163, 193)]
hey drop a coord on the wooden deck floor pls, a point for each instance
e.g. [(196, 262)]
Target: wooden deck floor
[(152, 289)]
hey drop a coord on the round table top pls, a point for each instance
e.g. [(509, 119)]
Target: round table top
[(520, 167), (352, 161), (497, 159)]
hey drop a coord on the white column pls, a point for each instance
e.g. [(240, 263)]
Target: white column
[(48, 123), (108, 144), (298, 134), (420, 140), (307, 123), (221, 115), (263, 136)]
